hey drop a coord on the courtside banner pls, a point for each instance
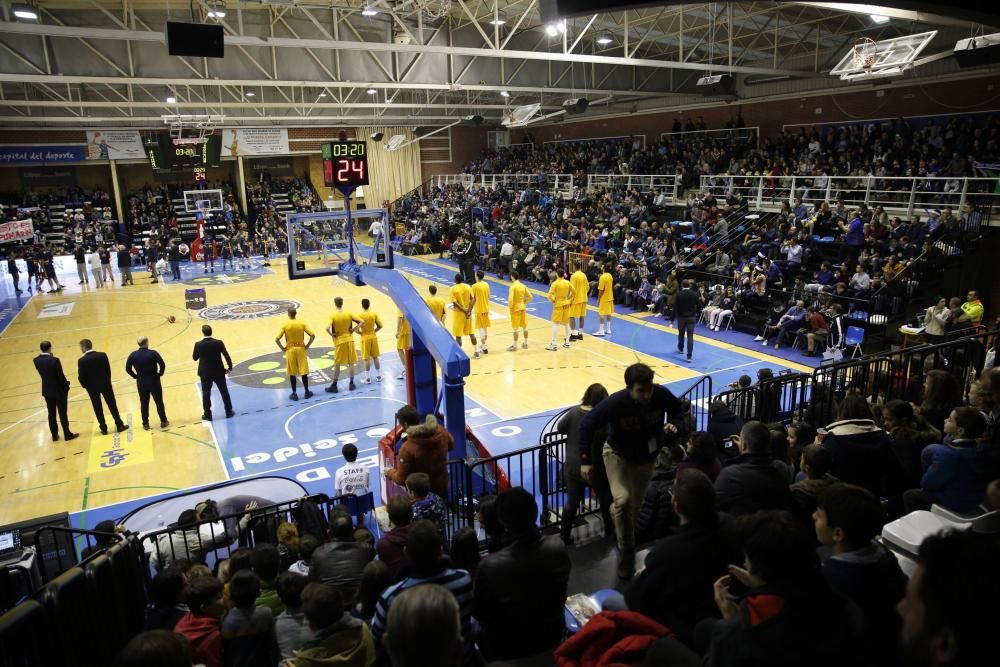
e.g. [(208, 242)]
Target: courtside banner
[(18, 230)]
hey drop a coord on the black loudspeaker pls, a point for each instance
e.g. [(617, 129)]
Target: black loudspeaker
[(472, 121), (198, 40), (576, 105), (377, 136), (421, 130), (978, 51), (726, 85)]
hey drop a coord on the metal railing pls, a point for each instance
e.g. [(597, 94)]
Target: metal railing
[(900, 195), (668, 184), (546, 182)]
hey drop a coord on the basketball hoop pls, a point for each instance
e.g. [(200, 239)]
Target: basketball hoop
[(865, 53)]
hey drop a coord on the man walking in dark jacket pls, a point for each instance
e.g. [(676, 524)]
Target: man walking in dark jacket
[(174, 256), (521, 590), (125, 265), (687, 306), (209, 353), (147, 367), (752, 483), (55, 389), (635, 418), (94, 371)]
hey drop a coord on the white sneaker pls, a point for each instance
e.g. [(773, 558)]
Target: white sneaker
[(475, 355), (565, 343), (512, 348), (524, 345), (368, 380), (763, 344), (608, 332), (485, 351), (599, 332), (378, 378), (551, 347), (758, 338)]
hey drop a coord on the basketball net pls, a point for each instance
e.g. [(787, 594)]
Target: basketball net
[(865, 53)]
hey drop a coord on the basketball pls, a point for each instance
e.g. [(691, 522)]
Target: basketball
[(171, 319)]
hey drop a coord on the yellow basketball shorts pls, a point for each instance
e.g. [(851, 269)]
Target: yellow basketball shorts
[(560, 314), (403, 342), (483, 320), (461, 325), (296, 361), (344, 353), (369, 348), (518, 319), (578, 309)]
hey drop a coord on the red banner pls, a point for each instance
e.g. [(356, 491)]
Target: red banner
[(18, 230)]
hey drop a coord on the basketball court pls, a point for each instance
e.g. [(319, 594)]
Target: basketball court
[(509, 396)]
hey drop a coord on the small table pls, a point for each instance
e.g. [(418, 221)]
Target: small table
[(909, 333)]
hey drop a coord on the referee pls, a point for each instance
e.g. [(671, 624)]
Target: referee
[(687, 307)]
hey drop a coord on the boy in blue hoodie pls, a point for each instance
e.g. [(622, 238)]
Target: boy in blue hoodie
[(955, 473)]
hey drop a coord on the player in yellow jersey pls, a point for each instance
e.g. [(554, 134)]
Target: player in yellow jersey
[(369, 328), (436, 304), (561, 296), (341, 328), (295, 349), (578, 308), (403, 341), (605, 301), (462, 303), (517, 299), (481, 293)]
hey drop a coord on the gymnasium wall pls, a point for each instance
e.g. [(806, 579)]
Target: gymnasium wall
[(87, 176), (946, 98)]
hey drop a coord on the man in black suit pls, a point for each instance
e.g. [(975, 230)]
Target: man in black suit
[(15, 273), (687, 307), (147, 367), (55, 389), (94, 371), (209, 353)]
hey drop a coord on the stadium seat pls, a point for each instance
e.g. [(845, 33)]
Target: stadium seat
[(982, 520), (25, 638), (102, 593), (129, 565), (72, 619)]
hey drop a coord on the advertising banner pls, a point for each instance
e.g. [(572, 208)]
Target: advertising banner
[(255, 141), (18, 230), (115, 145), (41, 154), (271, 166), (35, 177)]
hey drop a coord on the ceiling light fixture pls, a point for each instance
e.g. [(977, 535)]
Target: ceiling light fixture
[(250, 93), (372, 91), (321, 95), (878, 18), (555, 28), (171, 99), (369, 10), (217, 10), (499, 19), (605, 37), (23, 11), (504, 93)]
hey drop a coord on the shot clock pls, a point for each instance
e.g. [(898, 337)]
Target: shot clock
[(345, 164)]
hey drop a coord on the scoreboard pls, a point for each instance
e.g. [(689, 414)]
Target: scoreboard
[(345, 164)]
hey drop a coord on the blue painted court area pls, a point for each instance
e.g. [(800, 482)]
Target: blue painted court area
[(10, 306)]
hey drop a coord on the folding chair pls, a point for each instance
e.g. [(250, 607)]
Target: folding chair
[(854, 337)]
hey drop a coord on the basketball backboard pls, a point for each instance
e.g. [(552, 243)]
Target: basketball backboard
[(888, 57), (199, 200)]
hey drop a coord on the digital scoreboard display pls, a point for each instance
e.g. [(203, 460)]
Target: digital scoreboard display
[(345, 164), (164, 154)]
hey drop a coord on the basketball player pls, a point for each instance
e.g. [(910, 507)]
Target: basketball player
[(605, 301), (208, 252), (578, 308), (436, 304), (342, 330), (462, 302), (369, 328), (403, 341), (296, 351), (227, 254), (561, 296), (517, 298), (481, 294)]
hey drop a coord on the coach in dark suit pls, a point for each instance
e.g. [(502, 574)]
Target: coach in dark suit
[(94, 371), (687, 307), (209, 353), (55, 389), (147, 367)]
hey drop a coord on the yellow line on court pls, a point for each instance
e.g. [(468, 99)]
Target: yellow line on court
[(754, 354)]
